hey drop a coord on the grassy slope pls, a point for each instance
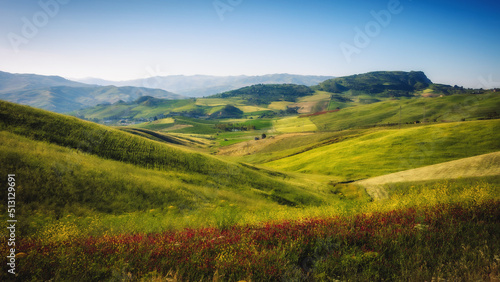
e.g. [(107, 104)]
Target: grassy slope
[(157, 125), (58, 183), (359, 115), (59, 178), (478, 166), (288, 145), (448, 108), (135, 110), (250, 148), (388, 151), (63, 159), (293, 124), (191, 142)]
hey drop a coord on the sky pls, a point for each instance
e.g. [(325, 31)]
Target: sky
[(454, 42)]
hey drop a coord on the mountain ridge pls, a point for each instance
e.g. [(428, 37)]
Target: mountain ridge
[(57, 94)]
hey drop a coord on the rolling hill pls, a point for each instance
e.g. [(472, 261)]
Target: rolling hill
[(382, 89), (15, 82), (478, 166), (251, 100), (386, 151), (60, 95), (264, 94), (455, 107), (380, 84), (73, 166)]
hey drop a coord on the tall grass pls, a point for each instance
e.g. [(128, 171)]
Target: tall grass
[(447, 241), (71, 167), (55, 182), (446, 191)]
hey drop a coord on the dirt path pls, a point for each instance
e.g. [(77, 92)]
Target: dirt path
[(483, 165)]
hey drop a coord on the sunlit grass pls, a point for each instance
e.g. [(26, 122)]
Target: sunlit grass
[(392, 150), (293, 124), (451, 241), (251, 109), (440, 109), (279, 105), (429, 193), (318, 96), (118, 205)]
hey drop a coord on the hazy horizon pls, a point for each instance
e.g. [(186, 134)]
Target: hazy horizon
[(453, 42)]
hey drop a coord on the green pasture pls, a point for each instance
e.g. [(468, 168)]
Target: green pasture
[(386, 151)]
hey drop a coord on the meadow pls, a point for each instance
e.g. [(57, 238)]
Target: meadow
[(452, 108), (384, 151), (293, 124), (455, 241), (83, 169), (152, 203)]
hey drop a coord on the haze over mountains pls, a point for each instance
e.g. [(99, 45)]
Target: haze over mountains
[(206, 85), (384, 89), (57, 94)]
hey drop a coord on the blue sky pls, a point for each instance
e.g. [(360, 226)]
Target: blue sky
[(453, 42)]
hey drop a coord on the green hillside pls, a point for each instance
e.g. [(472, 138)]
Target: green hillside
[(251, 100), (482, 166), (190, 142), (380, 83), (361, 100), (357, 120), (391, 150), (66, 165), (142, 108), (418, 110), (264, 94)]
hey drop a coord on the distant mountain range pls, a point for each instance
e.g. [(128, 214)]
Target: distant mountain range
[(281, 99), (205, 85), (58, 94)]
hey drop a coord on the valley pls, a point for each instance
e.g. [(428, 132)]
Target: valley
[(351, 171)]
